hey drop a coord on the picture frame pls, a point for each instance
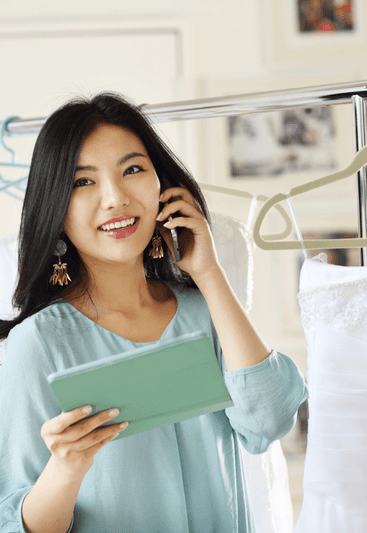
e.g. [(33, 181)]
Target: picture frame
[(326, 16), (215, 148), (281, 142), (285, 46)]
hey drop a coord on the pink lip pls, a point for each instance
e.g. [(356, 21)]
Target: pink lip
[(113, 220), (122, 232)]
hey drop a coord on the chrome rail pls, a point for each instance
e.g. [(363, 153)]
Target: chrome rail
[(340, 93)]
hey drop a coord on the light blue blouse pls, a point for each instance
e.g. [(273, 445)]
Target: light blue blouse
[(184, 478)]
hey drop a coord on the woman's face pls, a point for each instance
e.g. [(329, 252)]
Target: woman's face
[(115, 183)]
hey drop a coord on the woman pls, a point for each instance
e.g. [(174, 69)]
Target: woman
[(96, 163)]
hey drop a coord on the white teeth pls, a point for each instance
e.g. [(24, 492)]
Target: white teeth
[(119, 224)]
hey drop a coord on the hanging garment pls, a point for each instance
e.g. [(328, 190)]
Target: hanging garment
[(266, 473), (235, 247), (334, 317), (8, 279)]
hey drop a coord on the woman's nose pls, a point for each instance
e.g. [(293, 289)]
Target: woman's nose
[(114, 194)]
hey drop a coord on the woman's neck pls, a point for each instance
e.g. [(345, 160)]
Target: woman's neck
[(122, 289)]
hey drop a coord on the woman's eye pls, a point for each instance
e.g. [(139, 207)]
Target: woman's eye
[(81, 182), (133, 169)]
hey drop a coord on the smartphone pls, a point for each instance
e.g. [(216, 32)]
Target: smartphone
[(175, 242)]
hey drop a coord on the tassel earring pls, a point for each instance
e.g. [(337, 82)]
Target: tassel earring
[(156, 250), (60, 274)]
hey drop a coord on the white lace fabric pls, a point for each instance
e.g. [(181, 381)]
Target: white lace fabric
[(333, 301), (342, 306)]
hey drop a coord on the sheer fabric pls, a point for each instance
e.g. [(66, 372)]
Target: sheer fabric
[(333, 301), (235, 248), (266, 473)]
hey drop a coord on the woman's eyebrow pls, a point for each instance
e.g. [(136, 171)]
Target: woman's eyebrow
[(121, 162), (129, 156)]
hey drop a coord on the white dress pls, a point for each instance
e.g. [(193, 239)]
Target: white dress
[(333, 301)]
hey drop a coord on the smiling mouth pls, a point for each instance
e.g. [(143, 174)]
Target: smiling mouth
[(127, 223)]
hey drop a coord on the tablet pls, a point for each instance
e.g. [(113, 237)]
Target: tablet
[(179, 379)]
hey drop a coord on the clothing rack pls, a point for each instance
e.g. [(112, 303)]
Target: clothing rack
[(342, 93)]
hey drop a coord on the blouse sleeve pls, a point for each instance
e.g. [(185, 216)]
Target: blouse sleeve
[(26, 403), (266, 398)]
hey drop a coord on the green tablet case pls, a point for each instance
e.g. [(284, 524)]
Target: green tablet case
[(176, 381)]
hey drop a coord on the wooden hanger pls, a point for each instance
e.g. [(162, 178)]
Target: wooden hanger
[(261, 198), (359, 161)]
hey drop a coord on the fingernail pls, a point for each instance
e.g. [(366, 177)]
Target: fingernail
[(124, 425), (161, 196), (167, 224), (159, 216), (87, 409), (113, 412)]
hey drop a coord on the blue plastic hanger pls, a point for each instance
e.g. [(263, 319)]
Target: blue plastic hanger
[(5, 184)]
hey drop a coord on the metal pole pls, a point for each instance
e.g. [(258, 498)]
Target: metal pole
[(340, 93), (302, 97), (359, 108)]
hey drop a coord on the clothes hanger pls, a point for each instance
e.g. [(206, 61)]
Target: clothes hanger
[(261, 198), (359, 161), (5, 184)]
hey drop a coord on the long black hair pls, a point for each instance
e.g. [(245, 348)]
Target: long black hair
[(49, 188)]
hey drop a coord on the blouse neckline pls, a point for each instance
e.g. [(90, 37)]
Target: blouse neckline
[(108, 331)]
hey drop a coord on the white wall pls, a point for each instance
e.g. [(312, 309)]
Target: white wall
[(226, 39), (88, 9)]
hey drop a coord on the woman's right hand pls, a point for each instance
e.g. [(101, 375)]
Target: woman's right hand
[(73, 446)]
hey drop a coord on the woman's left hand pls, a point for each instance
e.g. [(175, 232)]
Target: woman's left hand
[(197, 250)]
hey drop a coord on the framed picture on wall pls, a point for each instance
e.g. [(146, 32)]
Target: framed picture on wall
[(269, 152), (301, 33), (281, 142), (326, 16)]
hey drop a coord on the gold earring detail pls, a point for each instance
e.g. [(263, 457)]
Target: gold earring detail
[(60, 274), (156, 250)]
